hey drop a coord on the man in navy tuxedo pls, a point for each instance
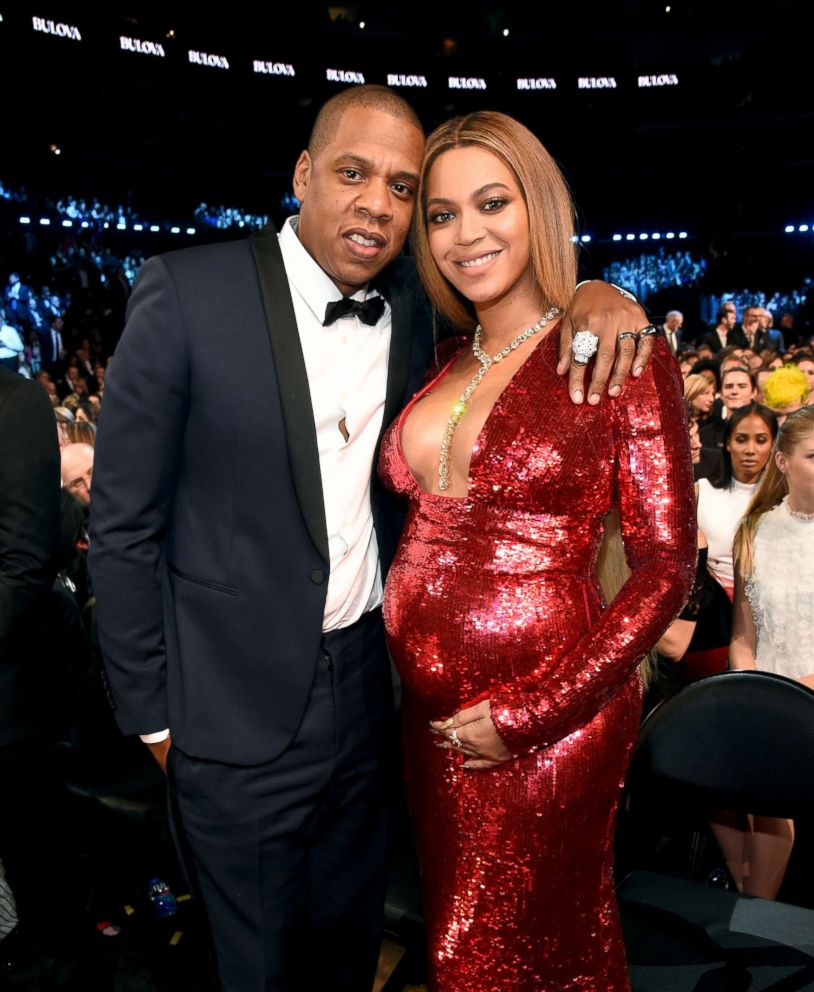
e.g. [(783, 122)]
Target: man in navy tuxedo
[(239, 539)]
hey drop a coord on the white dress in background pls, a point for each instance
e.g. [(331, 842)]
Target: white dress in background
[(719, 513), (781, 592)]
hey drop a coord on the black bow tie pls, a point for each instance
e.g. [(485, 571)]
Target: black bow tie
[(369, 312)]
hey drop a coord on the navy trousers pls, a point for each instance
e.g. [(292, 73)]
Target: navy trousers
[(289, 856)]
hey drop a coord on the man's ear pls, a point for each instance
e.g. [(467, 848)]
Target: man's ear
[(302, 175)]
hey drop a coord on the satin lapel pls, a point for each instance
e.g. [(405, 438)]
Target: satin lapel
[(398, 363), (292, 382)]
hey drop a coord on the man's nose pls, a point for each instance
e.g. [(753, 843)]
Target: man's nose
[(375, 199)]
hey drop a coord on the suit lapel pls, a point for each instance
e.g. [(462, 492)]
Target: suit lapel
[(292, 381), (398, 363)]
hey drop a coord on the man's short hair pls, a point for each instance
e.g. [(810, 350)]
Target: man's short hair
[(369, 97)]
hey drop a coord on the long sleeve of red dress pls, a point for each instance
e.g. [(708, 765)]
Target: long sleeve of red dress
[(654, 494)]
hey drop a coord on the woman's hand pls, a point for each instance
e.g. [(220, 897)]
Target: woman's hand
[(476, 734), (601, 309)]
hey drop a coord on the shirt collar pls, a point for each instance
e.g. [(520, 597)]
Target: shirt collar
[(312, 283)]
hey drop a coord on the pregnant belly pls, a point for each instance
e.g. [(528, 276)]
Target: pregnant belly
[(455, 634)]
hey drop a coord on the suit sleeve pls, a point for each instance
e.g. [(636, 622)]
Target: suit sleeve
[(655, 498), (29, 490), (137, 448)]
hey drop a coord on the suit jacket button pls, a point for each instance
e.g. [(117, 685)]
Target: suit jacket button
[(317, 576)]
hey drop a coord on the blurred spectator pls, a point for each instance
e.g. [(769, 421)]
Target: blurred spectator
[(786, 390), (77, 470), (804, 360), (11, 345)]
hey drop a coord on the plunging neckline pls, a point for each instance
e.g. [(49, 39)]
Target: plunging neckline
[(481, 436)]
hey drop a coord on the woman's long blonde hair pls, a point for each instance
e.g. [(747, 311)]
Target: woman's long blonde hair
[(773, 487), (551, 211)]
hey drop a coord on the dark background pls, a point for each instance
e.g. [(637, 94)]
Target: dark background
[(726, 155)]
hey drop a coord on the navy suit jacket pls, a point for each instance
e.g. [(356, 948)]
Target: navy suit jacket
[(208, 547)]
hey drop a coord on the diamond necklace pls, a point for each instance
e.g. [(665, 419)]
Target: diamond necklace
[(486, 362)]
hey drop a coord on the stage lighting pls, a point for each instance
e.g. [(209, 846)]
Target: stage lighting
[(84, 224), (803, 228), (67, 223), (682, 234), (121, 226), (617, 237), (505, 32), (669, 235), (630, 237), (175, 230), (45, 222), (138, 227), (643, 237), (190, 230), (585, 238), (656, 237), (362, 25), (789, 228), (25, 220), (155, 228)]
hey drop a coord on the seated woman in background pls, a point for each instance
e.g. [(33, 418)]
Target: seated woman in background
[(700, 396), (722, 500), (773, 627)]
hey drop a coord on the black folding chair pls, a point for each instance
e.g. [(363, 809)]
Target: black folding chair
[(740, 741)]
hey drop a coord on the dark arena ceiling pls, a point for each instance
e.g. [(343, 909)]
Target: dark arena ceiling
[(697, 116)]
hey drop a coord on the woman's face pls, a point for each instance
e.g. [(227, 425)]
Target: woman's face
[(749, 447), (702, 403), (709, 375), (478, 226), (798, 468), (776, 363), (807, 366), (695, 442)]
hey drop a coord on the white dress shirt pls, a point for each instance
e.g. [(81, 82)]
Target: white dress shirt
[(346, 365)]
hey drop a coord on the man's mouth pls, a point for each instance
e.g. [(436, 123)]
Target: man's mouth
[(364, 244)]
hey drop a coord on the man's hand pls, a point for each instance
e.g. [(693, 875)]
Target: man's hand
[(602, 310), (475, 731), (160, 751)]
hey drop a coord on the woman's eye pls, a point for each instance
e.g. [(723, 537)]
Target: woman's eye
[(441, 217), (493, 203)]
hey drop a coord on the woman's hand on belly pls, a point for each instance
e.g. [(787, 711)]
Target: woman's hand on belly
[(476, 735)]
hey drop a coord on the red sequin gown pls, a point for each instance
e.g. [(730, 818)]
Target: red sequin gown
[(493, 595)]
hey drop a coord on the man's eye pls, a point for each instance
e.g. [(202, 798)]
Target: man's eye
[(402, 189), (351, 173)]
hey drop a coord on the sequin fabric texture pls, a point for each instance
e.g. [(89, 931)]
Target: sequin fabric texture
[(493, 595)]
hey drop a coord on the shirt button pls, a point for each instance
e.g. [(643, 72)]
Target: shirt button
[(317, 576)]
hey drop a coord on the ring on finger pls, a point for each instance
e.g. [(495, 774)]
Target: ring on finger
[(584, 347), (455, 739), (632, 335), (648, 331)]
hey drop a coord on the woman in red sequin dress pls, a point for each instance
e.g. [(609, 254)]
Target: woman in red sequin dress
[(494, 616)]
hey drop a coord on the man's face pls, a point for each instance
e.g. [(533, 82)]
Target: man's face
[(751, 321), (674, 323), (736, 390), (729, 316), (358, 194)]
